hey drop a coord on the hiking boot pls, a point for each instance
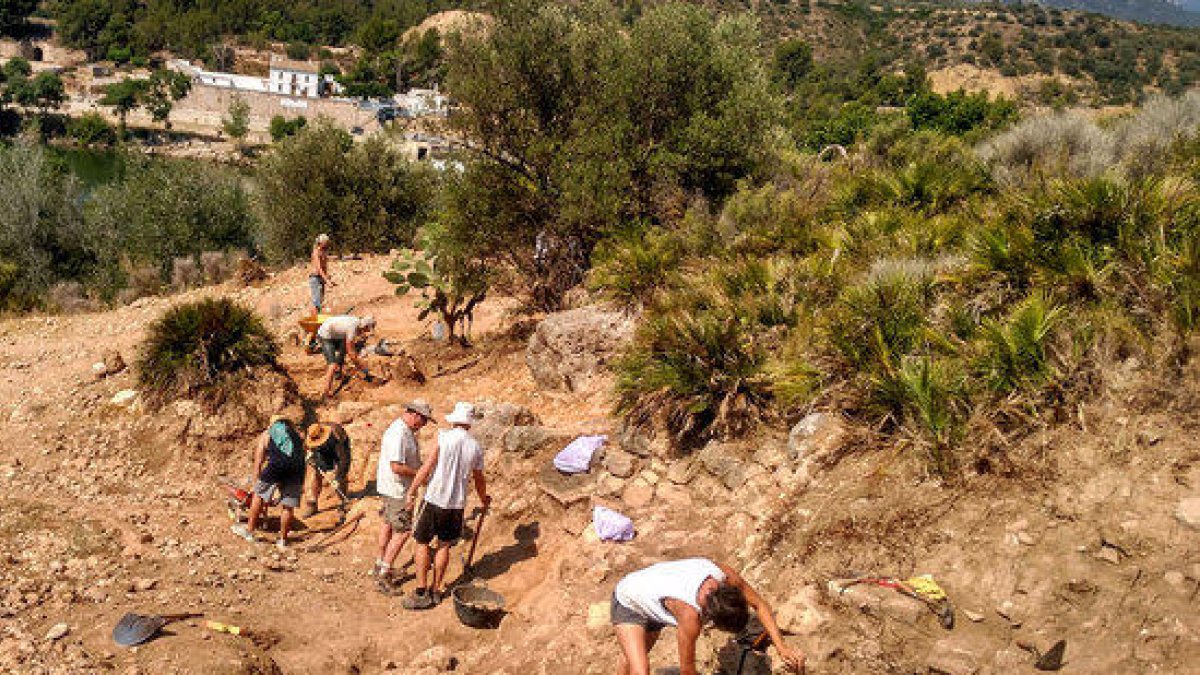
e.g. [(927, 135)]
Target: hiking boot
[(388, 585), (243, 532), (418, 601)]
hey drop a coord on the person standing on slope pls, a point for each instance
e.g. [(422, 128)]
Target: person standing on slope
[(686, 594), (399, 461), (318, 272), (457, 460)]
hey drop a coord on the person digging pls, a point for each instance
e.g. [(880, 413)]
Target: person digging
[(399, 461), (341, 337), (456, 461), (328, 447), (687, 594), (278, 466)]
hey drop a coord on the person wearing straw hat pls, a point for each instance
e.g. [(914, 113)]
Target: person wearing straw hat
[(278, 466), (456, 461), (318, 272), (399, 461), (328, 447)]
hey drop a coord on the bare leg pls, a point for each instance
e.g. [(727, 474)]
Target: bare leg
[(313, 495), (422, 558), (256, 507), (397, 542), (440, 563), (285, 522), (636, 643), (330, 372), (385, 536)]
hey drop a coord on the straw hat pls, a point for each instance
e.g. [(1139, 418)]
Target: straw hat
[(317, 435), (464, 413)]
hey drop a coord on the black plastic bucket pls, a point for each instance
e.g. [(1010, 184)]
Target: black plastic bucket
[(478, 607)]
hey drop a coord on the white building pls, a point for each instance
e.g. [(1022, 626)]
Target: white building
[(294, 78), (289, 78), (422, 102)]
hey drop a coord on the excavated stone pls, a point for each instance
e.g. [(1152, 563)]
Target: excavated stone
[(1188, 512), (568, 349), (620, 463)]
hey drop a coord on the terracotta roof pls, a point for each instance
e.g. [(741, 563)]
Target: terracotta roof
[(280, 63)]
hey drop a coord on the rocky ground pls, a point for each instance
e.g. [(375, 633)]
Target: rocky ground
[(1086, 531)]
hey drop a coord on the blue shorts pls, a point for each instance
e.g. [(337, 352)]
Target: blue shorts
[(316, 288)]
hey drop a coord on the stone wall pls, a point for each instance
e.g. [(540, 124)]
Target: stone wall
[(206, 105)]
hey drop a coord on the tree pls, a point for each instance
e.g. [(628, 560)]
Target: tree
[(163, 89), (793, 62), (237, 124), (91, 129), (123, 97), (281, 127), (44, 91), (13, 14), (17, 68), (579, 124), (368, 196)]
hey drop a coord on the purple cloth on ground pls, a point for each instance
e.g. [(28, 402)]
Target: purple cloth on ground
[(611, 525), (577, 456)]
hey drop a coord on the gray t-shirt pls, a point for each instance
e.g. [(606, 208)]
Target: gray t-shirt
[(399, 445), (459, 454), (344, 327)]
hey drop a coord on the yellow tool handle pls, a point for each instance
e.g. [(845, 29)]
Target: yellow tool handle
[(223, 627)]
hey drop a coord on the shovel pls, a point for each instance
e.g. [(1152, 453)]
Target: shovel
[(134, 629), (475, 540)]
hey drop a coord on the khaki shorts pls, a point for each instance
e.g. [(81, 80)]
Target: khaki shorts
[(395, 515)]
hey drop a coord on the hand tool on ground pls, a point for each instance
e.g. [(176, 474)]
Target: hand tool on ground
[(759, 643), (263, 638), (1052, 659), (920, 588), (134, 629)]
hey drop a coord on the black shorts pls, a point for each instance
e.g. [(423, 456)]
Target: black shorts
[(334, 351), (445, 524), (623, 615)]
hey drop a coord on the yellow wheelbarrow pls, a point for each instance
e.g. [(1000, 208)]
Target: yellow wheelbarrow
[(309, 325)]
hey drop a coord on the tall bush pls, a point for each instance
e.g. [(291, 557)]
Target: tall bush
[(202, 350), (366, 196)]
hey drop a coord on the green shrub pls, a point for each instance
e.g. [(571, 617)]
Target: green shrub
[(1015, 349), (91, 129), (928, 395), (884, 317), (202, 350), (633, 268), (700, 371)]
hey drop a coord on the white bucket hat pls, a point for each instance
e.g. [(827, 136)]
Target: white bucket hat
[(463, 413), (322, 238)]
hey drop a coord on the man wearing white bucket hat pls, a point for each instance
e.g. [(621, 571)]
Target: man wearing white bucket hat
[(457, 460)]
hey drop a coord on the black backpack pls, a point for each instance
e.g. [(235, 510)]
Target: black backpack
[(284, 463)]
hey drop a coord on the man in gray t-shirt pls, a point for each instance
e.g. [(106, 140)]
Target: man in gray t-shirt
[(399, 460)]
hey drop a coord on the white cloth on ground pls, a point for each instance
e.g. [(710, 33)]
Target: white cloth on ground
[(577, 456)]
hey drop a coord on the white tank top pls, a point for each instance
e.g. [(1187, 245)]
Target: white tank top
[(644, 590)]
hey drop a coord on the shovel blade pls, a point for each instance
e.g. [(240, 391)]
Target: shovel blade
[(1053, 658), (134, 629)]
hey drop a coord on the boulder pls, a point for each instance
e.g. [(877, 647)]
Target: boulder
[(632, 440), (682, 472), (947, 658), (801, 613), (722, 461), (620, 463), (568, 349), (638, 494), (495, 419), (816, 439), (1188, 512), (528, 441), (566, 489)]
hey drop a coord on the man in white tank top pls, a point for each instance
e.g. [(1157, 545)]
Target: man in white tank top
[(686, 594)]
